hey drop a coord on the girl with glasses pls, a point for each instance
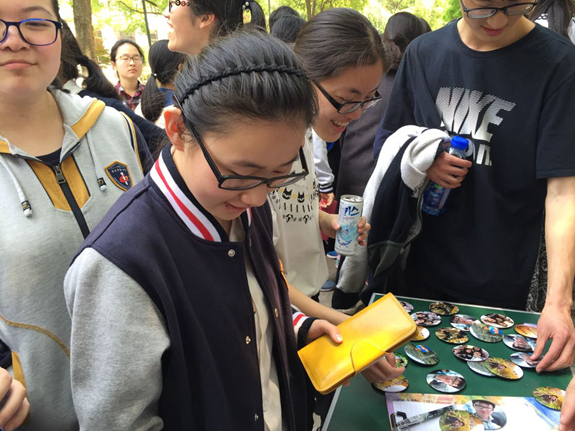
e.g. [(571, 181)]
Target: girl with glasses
[(181, 315), (64, 161), (345, 77), (127, 59)]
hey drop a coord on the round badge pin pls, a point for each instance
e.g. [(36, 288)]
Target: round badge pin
[(400, 360), (522, 359), (446, 381), (426, 318), (504, 368), (452, 335), (421, 354), (498, 320), (467, 352), (443, 308), (422, 334), (528, 330), (487, 333), (549, 397), (406, 306), (459, 420), (518, 342), (462, 321), (399, 384), (480, 368)]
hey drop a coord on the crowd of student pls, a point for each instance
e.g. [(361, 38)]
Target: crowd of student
[(148, 273)]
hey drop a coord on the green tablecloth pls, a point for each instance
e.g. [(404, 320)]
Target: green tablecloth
[(359, 407)]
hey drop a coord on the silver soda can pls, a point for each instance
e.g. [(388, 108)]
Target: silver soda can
[(350, 209)]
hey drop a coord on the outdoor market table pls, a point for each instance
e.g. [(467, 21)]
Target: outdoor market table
[(360, 407)]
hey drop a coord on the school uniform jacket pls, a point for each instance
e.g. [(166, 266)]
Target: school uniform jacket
[(163, 322), (45, 213)]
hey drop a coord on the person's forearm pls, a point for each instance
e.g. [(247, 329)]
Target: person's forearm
[(560, 241), (311, 308)]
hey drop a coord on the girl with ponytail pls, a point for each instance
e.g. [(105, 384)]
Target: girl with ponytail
[(159, 90), (195, 23)]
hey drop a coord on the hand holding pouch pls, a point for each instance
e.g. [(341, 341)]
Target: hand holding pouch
[(367, 336)]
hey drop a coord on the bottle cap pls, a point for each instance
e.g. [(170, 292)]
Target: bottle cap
[(459, 142)]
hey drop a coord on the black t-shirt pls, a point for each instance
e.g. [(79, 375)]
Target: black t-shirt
[(517, 107)]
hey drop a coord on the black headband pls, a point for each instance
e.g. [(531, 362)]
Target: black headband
[(259, 68)]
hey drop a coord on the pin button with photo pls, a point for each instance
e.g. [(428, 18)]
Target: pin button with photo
[(446, 381), (452, 335), (421, 354), (467, 352), (462, 321), (528, 330), (443, 308), (498, 320), (483, 332), (518, 342), (522, 359), (426, 318)]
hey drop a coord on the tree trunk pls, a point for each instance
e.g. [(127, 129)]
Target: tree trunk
[(308, 9), (83, 25)]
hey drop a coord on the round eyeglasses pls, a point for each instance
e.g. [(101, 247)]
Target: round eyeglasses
[(487, 12), (127, 58), (34, 31)]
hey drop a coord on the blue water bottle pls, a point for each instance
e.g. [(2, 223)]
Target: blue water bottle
[(435, 196)]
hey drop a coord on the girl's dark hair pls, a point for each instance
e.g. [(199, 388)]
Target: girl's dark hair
[(336, 39), (559, 14), (280, 12), (401, 29), (121, 42), (426, 26), (72, 57), (229, 13), (56, 8), (56, 82), (165, 65), (246, 76), (287, 27)]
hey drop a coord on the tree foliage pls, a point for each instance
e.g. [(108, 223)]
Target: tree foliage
[(452, 11)]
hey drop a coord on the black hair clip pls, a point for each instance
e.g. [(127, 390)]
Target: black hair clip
[(246, 5)]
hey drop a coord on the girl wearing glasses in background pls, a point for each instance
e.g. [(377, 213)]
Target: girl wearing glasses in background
[(64, 161), (181, 315), (127, 59)]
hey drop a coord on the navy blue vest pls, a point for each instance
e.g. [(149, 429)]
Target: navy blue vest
[(211, 377)]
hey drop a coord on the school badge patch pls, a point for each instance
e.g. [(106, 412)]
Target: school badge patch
[(120, 175)]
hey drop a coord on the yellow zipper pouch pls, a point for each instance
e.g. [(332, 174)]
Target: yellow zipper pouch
[(367, 336)]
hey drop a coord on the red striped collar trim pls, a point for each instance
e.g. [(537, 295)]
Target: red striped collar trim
[(201, 223)]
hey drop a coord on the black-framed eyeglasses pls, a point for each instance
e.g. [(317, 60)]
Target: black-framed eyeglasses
[(127, 58), (34, 31), (243, 182), (347, 107), (173, 3), (487, 12)]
